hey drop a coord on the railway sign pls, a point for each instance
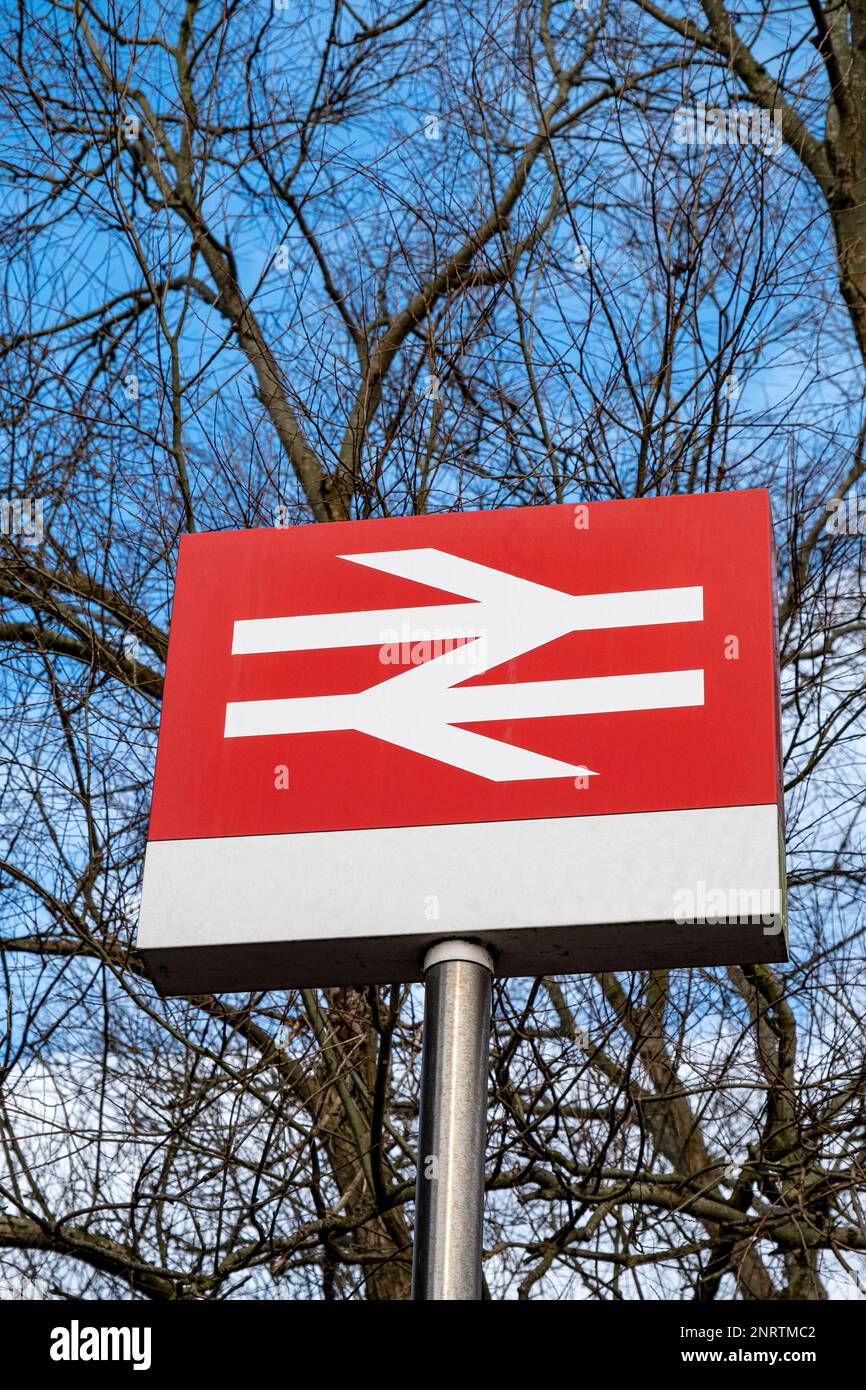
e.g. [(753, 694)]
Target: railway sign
[(552, 730)]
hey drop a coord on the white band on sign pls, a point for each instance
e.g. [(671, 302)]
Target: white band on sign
[(458, 950)]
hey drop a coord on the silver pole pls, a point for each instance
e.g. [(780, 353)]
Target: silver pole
[(452, 1127)]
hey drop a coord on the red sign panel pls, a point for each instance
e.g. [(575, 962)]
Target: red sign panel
[(530, 663)]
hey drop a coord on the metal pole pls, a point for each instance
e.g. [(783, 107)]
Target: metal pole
[(452, 1128)]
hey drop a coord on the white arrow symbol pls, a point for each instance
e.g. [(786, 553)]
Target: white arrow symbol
[(419, 708)]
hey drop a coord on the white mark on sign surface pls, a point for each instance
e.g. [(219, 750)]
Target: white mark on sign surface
[(419, 708)]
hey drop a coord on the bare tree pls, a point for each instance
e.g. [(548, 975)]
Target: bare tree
[(269, 267)]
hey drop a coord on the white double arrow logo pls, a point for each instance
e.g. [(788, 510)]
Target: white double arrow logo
[(419, 708)]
